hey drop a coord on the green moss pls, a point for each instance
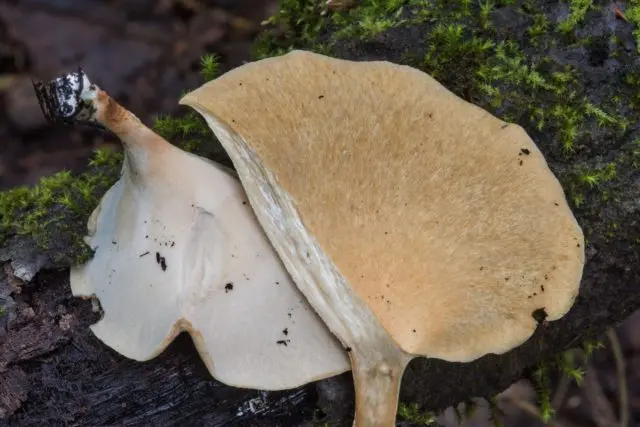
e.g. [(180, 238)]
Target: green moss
[(633, 15), (541, 383), (296, 24), (210, 66), (412, 413), (486, 7), (579, 9), (369, 19), (54, 212), (539, 27)]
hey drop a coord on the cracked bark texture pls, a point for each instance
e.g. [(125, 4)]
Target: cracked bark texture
[(54, 372)]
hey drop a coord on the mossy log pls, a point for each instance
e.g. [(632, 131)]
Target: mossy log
[(568, 72)]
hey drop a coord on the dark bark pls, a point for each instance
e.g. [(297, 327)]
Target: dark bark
[(54, 372)]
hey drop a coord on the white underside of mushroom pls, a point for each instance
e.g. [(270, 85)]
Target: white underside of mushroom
[(185, 254), (378, 363)]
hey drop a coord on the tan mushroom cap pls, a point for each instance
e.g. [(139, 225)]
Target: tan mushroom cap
[(445, 221)]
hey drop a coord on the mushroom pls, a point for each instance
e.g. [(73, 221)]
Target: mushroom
[(415, 223), (178, 248)]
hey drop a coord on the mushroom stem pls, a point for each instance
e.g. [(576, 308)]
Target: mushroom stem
[(377, 387), (72, 98), (137, 139)]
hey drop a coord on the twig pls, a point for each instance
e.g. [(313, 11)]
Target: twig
[(623, 398), (561, 391), (603, 414), (532, 410), (618, 12)]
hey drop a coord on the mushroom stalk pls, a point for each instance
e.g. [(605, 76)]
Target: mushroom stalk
[(72, 98), (380, 378)]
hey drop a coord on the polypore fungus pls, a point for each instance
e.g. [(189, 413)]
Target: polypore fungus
[(415, 223), (178, 248)]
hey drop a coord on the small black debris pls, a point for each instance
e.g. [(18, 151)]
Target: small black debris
[(114, 242), (283, 342), (539, 315), (162, 261), (348, 349), (228, 287), (321, 96), (525, 151), (144, 254), (285, 331)]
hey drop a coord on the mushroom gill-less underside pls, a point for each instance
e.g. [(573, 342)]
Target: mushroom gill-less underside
[(178, 248)]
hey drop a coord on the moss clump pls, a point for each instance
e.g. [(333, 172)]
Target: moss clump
[(210, 66), (411, 412), (579, 9), (370, 19), (54, 213), (296, 24)]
